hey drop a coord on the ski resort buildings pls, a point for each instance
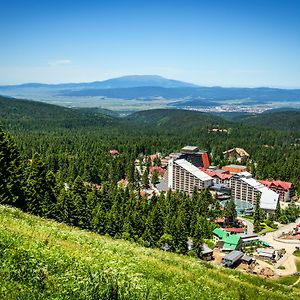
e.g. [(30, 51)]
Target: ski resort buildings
[(184, 176), (189, 169)]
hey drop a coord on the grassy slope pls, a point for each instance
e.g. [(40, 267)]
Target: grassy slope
[(42, 259)]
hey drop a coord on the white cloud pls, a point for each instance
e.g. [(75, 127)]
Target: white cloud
[(59, 62)]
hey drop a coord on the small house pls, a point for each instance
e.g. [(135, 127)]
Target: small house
[(207, 253), (236, 154), (232, 242), (219, 234)]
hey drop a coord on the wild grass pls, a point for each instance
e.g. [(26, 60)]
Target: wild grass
[(42, 259)]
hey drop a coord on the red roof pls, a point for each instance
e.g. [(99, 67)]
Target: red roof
[(278, 183), (211, 173), (233, 229), (113, 151), (220, 220), (159, 170)]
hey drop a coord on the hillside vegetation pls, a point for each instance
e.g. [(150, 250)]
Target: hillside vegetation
[(17, 113), (175, 118), (282, 120), (42, 259)]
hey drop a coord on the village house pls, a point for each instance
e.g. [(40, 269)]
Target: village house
[(236, 154)]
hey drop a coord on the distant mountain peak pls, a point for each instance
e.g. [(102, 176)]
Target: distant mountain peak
[(129, 81)]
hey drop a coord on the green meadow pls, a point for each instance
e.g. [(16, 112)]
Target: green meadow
[(43, 259)]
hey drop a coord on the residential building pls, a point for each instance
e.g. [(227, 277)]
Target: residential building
[(286, 190), (226, 241), (237, 154), (159, 170), (232, 242), (219, 234), (184, 176)]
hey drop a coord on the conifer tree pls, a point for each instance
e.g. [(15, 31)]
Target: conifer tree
[(11, 173), (230, 213), (258, 215), (181, 236), (145, 178)]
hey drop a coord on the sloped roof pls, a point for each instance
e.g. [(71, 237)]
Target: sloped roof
[(219, 232), (232, 239), (234, 229), (193, 169), (283, 184), (239, 151), (157, 169), (216, 174)]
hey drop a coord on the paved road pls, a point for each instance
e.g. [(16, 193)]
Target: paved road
[(272, 238), (250, 227)]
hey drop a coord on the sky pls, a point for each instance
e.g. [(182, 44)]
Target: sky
[(211, 43)]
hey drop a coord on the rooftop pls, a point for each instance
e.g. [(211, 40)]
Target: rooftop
[(233, 255), (190, 148), (278, 183), (232, 239), (236, 166), (192, 169), (239, 151)]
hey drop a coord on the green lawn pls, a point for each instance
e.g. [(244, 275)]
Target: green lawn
[(42, 259), (266, 229)]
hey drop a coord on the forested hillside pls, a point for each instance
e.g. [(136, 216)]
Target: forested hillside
[(281, 120), (75, 143), (19, 114), (177, 119)]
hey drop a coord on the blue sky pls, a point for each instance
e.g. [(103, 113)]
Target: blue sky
[(226, 43)]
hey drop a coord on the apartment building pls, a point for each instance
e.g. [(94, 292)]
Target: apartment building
[(184, 176)]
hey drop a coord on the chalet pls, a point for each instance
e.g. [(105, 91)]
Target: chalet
[(236, 154), (226, 241), (219, 234), (286, 190), (232, 242)]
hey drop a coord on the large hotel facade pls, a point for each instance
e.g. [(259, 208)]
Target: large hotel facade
[(184, 176)]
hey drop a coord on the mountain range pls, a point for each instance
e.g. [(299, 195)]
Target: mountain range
[(171, 93)]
